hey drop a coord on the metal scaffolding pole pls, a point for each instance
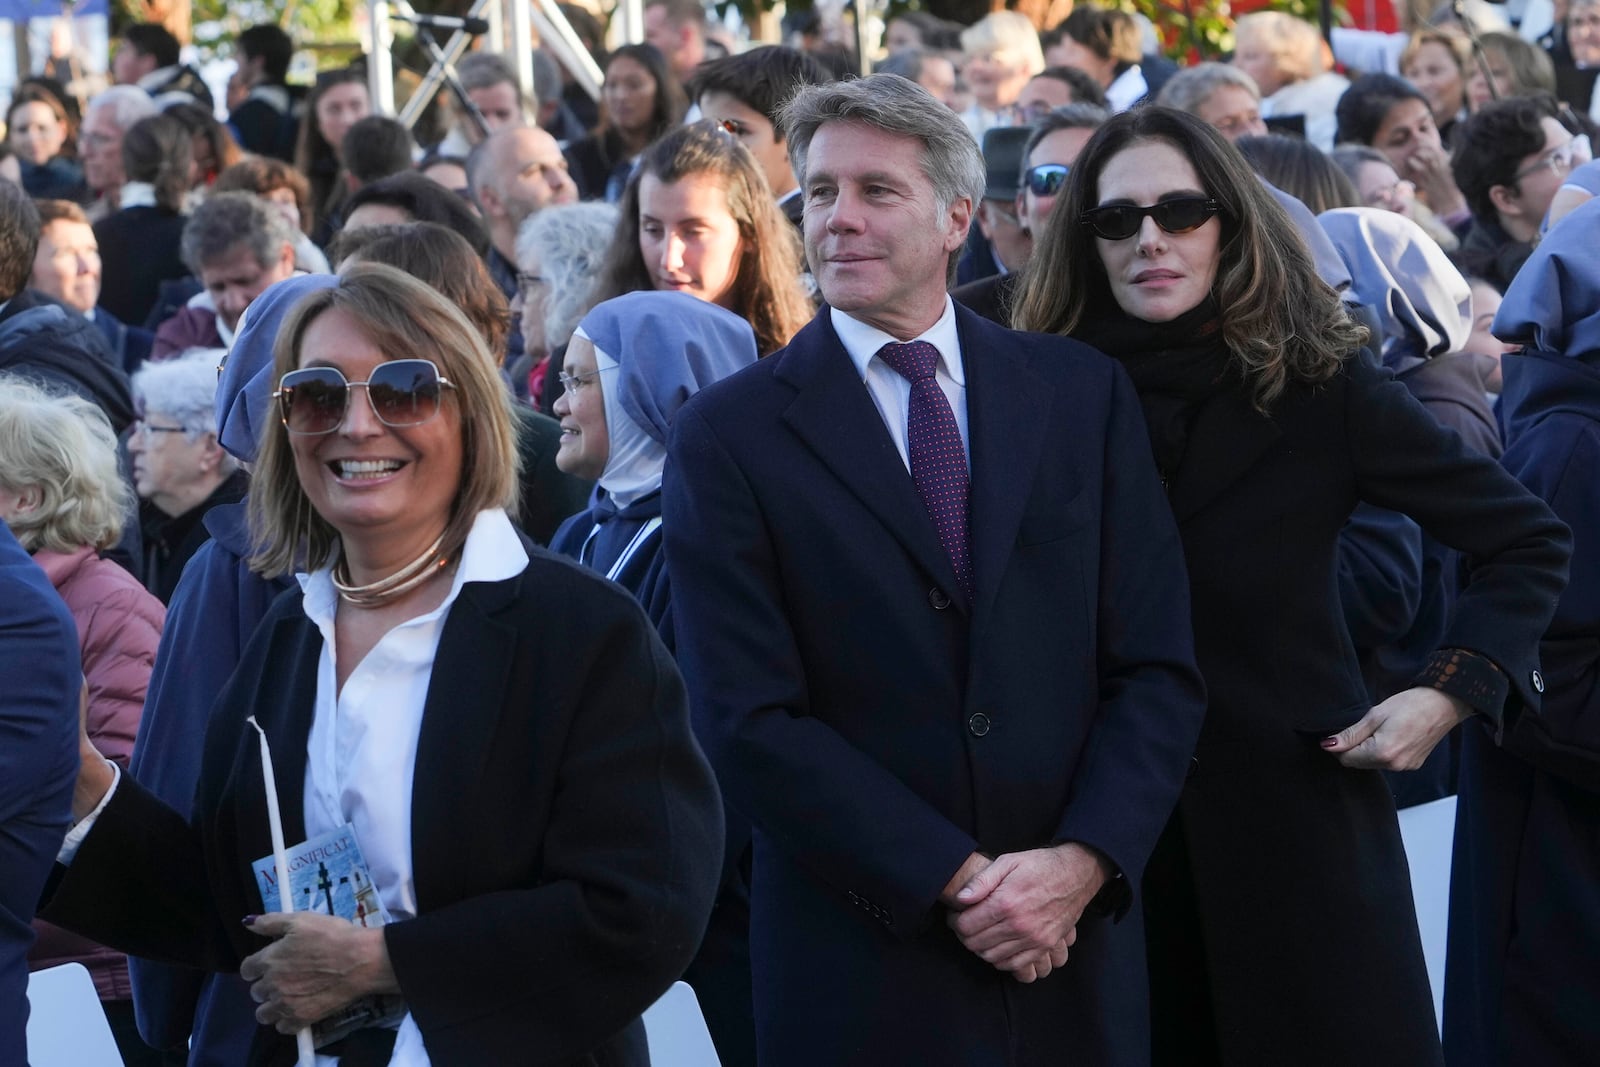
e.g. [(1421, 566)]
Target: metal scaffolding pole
[(521, 49), (557, 34), (380, 71)]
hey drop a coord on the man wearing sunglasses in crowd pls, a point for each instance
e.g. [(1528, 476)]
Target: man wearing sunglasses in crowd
[(1510, 158), (1047, 155)]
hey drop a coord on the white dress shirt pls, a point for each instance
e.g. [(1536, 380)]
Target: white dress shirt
[(362, 749), (889, 389)]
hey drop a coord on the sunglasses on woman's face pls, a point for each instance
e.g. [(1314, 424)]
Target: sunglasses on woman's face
[(402, 392), (1181, 214), (1047, 178)]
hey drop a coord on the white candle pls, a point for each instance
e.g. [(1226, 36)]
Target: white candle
[(280, 857)]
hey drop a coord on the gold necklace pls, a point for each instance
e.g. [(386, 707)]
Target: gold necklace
[(375, 594)]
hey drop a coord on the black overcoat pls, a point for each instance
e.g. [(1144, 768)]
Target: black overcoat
[(878, 729), (566, 831), (1281, 890)]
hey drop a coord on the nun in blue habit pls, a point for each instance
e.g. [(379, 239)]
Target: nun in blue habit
[(1522, 974), (632, 364)]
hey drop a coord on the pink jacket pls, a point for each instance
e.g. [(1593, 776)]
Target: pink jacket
[(119, 627)]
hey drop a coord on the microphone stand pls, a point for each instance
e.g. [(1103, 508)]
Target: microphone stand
[(447, 69)]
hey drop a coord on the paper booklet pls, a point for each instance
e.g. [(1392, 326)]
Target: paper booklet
[(328, 874)]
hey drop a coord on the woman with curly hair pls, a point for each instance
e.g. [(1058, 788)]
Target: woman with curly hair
[(1269, 424)]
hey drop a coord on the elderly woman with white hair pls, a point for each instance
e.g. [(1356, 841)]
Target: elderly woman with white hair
[(559, 254), (1289, 62), (1002, 53), (64, 498), (179, 469)]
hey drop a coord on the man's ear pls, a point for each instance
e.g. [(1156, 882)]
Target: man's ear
[(488, 201), (961, 216), (1506, 199), (211, 454)]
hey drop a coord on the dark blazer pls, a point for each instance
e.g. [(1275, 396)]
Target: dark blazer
[(878, 729), (38, 764), (566, 830), (1282, 881)]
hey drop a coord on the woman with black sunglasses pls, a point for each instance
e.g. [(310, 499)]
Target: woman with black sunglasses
[(1279, 916), (538, 834)]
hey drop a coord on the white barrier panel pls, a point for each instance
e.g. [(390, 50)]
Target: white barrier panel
[(677, 1031), (1428, 831), (66, 1025)]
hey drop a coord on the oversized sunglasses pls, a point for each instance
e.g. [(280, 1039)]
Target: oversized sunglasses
[(1047, 178), (1181, 214), (402, 392)]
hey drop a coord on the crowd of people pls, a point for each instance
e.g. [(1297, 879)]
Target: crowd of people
[(961, 564)]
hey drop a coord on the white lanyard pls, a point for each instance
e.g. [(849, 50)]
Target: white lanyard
[(650, 527)]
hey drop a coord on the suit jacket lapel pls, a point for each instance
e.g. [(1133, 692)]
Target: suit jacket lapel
[(466, 697), (836, 418), (1229, 436), (1007, 409)]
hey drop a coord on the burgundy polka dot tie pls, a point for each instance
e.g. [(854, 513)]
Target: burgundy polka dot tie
[(938, 458)]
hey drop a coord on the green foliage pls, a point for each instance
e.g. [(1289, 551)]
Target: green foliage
[(312, 23), (1203, 29)]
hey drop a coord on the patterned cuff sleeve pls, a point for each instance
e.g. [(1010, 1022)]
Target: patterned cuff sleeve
[(1469, 677)]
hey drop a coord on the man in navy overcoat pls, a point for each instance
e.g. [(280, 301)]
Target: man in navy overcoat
[(40, 680), (935, 625)]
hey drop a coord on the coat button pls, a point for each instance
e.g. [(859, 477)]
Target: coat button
[(938, 599), (1194, 765), (1538, 681), (978, 725)]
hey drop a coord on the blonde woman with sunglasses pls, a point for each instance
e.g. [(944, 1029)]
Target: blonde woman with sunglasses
[(1277, 904), (498, 732)]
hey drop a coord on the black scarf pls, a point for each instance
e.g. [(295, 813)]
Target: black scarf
[(1175, 366)]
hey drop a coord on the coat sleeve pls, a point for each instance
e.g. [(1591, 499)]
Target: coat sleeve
[(38, 762), (630, 863), (1514, 546), (205, 632), (1151, 697), (826, 804)]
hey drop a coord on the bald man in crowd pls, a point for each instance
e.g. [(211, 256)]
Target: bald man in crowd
[(513, 174)]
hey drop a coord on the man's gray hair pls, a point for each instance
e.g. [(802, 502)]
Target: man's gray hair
[(569, 243), (182, 389), (1065, 117), (127, 104), (227, 220), (1191, 87), (951, 160)]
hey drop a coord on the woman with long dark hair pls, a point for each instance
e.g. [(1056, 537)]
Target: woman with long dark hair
[(698, 217), (639, 101), (337, 101), (1279, 892)]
